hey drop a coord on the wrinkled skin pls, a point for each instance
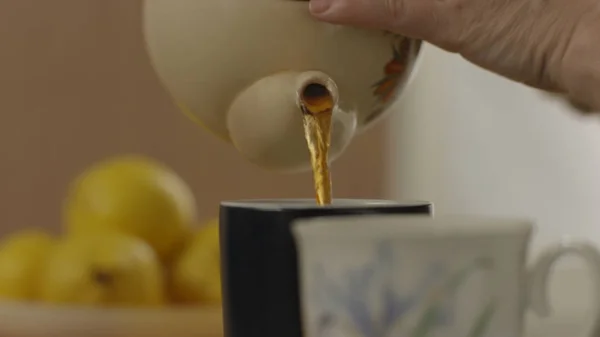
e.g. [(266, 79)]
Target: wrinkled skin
[(546, 44)]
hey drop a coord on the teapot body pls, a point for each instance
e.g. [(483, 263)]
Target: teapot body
[(207, 52)]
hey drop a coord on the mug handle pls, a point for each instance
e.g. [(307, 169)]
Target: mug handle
[(539, 275)]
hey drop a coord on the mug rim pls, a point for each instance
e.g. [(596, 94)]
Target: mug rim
[(401, 226), (310, 203)]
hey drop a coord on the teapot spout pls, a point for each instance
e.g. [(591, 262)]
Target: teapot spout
[(265, 120)]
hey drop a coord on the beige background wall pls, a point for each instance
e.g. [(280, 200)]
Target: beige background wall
[(75, 86)]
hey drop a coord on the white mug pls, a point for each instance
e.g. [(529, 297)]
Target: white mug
[(417, 276)]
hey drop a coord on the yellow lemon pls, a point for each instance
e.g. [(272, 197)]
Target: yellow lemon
[(104, 269), (22, 256), (133, 195), (196, 274)]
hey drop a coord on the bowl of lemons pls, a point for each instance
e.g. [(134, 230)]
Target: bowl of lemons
[(131, 261)]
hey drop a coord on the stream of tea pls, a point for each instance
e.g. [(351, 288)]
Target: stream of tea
[(317, 108)]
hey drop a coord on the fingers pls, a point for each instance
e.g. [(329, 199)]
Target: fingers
[(409, 17)]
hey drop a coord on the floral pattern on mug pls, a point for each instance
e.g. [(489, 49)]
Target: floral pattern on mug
[(372, 307)]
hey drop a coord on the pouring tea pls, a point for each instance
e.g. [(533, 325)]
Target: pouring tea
[(238, 68)]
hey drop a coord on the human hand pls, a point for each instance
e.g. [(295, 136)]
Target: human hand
[(542, 43)]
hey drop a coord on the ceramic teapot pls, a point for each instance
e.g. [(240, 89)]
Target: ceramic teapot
[(239, 67)]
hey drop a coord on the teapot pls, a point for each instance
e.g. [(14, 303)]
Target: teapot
[(240, 68)]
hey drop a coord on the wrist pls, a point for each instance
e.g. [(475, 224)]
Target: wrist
[(581, 63)]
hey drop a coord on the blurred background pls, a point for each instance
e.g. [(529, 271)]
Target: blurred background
[(76, 86)]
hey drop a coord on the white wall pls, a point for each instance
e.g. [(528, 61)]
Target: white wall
[(473, 142)]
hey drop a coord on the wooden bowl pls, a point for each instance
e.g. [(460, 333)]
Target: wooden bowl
[(33, 320)]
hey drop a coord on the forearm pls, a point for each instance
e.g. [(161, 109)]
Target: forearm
[(581, 66)]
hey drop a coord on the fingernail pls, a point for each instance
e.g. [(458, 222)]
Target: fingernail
[(319, 6)]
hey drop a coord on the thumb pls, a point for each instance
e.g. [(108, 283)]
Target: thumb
[(409, 17)]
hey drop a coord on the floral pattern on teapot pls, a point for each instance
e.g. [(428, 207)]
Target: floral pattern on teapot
[(385, 88), (394, 72)]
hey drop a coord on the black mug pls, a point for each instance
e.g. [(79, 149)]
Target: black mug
[(259, 263)]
